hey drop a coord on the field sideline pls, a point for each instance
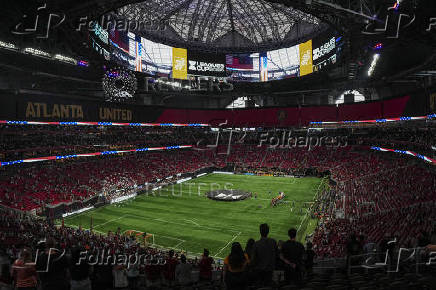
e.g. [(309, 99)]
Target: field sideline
[(181, 217)]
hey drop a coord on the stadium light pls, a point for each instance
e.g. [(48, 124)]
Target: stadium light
[(373, 64), (8, 45), (65, 59), (37, 52)]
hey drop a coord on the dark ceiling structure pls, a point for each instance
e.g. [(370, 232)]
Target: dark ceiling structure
[(223, 25), (407, 61)]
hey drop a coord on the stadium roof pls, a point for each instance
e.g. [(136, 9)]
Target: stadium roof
[(223, 25)]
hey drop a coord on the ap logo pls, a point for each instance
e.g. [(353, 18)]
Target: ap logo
[(392, 25), (39, 24)]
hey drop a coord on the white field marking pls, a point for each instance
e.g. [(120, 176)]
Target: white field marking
[(302, 220), (109, 221), (170, 237), (184, 224), (191, 221), (234, 237), (178, 245), (176, 192)]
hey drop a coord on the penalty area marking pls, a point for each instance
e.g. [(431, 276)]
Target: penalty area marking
[(200, 226), (305, 216), (180, 241), (109, 221), (195, 223), (234, 237)]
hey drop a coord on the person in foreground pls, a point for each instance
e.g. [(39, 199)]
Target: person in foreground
[(205, 266), (235, 266), (24, 272), (53, 267), (183, 272), (265, 253), (292, 255)]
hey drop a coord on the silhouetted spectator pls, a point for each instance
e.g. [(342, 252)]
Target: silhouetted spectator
[(184, 272), (53, 268), (235, 266), (169, 269), (292, 255), (205, 266), (264, 256), (80, 271)]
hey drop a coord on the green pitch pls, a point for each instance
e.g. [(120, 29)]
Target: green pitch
[(181, 217)]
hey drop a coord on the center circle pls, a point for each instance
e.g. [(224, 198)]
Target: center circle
[(228, 195)]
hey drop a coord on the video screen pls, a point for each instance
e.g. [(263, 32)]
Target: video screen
[(156, 59)]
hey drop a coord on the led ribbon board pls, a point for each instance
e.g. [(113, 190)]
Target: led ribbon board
[(40, 159), (103, 124), (406, 152), (379, 120)]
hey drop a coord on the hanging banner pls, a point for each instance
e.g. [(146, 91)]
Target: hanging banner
[(180, 60), (306, 63), (433, 102), (263, 67)]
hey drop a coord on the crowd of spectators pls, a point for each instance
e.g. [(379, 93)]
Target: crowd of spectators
[(404, 138), (26, 188), (371, 188), (18, 142), (374, 194), (35, 253)]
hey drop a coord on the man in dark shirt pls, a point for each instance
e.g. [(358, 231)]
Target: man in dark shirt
[(80, 271), (292, 255), (52, 266), (264, 257)]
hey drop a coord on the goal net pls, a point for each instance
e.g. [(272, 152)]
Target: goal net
[(144, 239)]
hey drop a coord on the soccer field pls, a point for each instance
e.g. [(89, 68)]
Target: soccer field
[(183, 218)]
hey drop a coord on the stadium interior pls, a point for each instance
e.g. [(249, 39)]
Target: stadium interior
[(226, 144)]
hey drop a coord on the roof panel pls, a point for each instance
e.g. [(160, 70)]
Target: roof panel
[(206, 21)]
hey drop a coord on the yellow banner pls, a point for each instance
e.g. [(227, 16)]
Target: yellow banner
[(180, 63), (306, 62), (433, 102)]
